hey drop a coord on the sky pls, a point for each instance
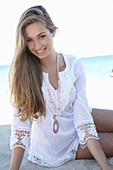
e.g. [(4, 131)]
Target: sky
[(85, 26)]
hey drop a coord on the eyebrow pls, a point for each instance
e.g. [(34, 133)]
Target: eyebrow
[(37, 35)]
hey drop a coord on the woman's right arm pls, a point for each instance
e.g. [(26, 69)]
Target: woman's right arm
[(20, 139), (17, 156)]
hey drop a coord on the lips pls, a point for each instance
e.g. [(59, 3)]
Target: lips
[(41, 51)]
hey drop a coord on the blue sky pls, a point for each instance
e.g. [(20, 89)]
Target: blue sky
[(85, 26)]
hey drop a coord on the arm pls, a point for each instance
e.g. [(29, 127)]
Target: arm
[(17, 156), (96, 150), (20, 139), (83, 120)]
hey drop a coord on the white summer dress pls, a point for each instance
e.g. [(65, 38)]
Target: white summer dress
[(76, 124)]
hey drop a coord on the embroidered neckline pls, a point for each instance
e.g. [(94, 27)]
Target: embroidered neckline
[(65, 89)]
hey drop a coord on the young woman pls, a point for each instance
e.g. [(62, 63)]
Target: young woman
[(51, 114)]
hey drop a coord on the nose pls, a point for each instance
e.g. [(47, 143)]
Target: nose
[(37, 44)]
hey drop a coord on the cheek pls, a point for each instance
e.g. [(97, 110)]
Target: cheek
[(49, 41), (29, 47)]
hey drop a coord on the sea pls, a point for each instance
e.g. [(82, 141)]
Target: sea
[(95, 67)]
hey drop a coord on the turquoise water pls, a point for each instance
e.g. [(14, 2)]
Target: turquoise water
[(94, 67), (100, 66)]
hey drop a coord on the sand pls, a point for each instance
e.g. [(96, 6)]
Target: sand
[(100, 95)]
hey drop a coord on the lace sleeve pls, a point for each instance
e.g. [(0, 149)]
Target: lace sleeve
[(86, 131), (20, 138), (82, 117), (20, 132)]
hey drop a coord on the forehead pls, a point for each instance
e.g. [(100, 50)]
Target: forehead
[(34, 29)]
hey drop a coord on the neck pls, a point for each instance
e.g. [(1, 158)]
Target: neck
[(49, 62)]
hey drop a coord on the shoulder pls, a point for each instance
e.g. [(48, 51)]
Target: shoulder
[(70, 58), (75, 65), (72, 61)]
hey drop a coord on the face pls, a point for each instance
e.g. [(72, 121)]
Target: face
[(39, 40)]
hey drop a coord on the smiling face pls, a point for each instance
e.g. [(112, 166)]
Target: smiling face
[(39, 40)]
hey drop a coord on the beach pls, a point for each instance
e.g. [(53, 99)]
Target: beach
[(100, 95)]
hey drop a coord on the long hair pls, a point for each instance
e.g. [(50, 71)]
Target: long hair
[(25, 74)]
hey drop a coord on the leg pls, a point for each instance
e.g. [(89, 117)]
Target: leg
[(106, 141), (103, 120)]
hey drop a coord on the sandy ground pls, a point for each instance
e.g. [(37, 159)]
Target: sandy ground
[(100, 95)]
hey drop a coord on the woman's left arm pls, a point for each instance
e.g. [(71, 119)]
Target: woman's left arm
[(96, 150), (83, 119)]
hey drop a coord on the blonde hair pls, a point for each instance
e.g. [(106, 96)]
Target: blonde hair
[(25, 75)]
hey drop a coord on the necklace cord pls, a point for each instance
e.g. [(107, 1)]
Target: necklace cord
[(58, 93)]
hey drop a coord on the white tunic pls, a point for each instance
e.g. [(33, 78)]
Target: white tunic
[(76, 124)]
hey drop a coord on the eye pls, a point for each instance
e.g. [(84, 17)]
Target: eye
[(42, 36), (29, 40)]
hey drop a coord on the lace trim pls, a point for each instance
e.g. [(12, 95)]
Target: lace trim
[(20, 138), (71, 155), (65, 89), (86, 131)]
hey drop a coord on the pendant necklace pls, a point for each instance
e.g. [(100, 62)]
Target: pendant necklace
[(55, 123)]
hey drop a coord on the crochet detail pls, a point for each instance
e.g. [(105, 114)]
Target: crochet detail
[(71, 155), (20, 138), (65, 89), (86, 131)]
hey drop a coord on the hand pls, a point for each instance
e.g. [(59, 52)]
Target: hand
[(108, 168)]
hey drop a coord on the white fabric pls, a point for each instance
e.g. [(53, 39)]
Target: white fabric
[(76, 124)]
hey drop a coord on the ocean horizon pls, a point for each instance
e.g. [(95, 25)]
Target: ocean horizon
[(95, 67)]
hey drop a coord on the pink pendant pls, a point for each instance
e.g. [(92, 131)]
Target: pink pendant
[(55, 126)]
